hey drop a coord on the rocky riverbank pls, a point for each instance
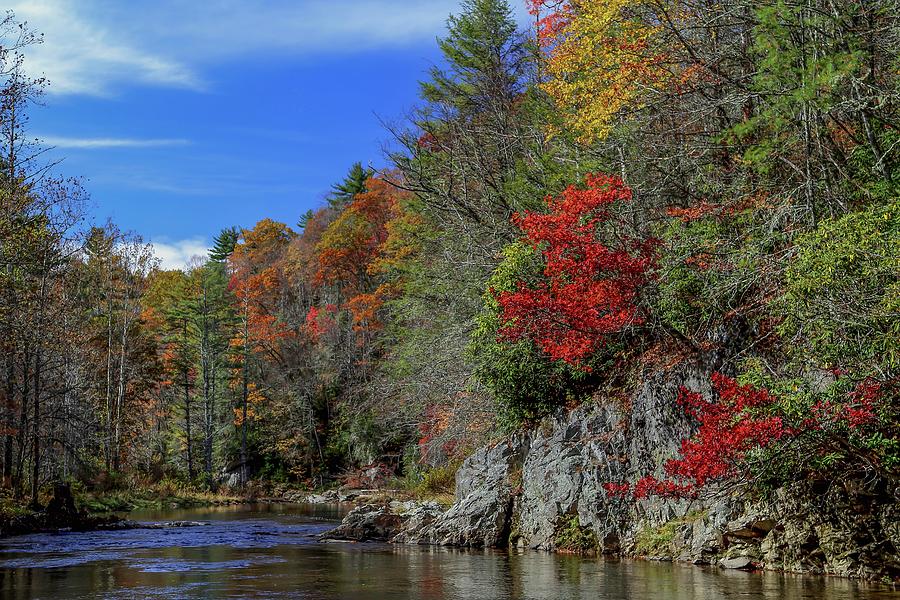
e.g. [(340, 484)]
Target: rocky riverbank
[(544, 490)]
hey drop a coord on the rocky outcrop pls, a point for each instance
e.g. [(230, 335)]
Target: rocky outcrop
[(486, 486), (524, 490), (383, 522)]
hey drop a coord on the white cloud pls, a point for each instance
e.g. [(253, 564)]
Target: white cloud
[(84, 56), (96, 46), (179, 254), (104, 143)]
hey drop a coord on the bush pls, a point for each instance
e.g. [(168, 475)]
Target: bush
[(525, 382), (571, 536), (842, 292)]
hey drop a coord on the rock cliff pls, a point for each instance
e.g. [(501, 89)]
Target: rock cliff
[(544, 490)]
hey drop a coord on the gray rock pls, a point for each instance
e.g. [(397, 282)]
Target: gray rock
[(739, 562), (481, 514), (370, 522), (384, 522), (520, 491)]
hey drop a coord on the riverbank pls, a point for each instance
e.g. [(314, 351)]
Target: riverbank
[(165, 494), (549, 488), (269, 550), (77, 509)]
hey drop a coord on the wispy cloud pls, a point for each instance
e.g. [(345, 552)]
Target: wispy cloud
[(106, 143), (82, 55), (179, 254), (96, 46)]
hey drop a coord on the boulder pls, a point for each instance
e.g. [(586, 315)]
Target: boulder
[(365, 523), (485, 487), (740, 562), (384, 522)]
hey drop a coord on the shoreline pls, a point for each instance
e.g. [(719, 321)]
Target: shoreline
[(414, 514)]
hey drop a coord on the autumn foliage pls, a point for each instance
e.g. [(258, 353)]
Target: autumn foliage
[(590, 287), (600, 59), (742, 422), (353, 249)]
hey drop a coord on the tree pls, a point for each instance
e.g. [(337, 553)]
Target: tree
[(590, 286), (224, 243), (214, 321), (469, 136), (258, 276), (354, 183), (602, 58)]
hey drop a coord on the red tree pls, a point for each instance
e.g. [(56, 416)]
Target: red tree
[(590, 286)]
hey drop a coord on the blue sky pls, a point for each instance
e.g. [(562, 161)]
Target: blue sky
[(185, 117)]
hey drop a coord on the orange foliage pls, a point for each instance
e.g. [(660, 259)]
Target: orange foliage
[(366, 239), (692, 213), (352, 241), (257, 281)]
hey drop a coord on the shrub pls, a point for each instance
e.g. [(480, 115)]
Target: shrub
[(571, 536), (842, 292), (525, 382)]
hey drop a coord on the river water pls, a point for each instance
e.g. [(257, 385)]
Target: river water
[(271, 551)]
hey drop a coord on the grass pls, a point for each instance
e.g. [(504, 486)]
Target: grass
[(10, 507), (135, 495), (436, 485), (656, 541), (572, 537)]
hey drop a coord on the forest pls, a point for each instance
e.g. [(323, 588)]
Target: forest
[(617, 187)]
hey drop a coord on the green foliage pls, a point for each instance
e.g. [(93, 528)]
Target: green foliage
[(713, 263), (656, 541), (483, 54), (842, 291), (357, 437), (224, 243), (440, 480), (132, 494), (686, 293), (437, 483), (571, 536), (354, 183), (526, 384), (837, 443), (823, 83)]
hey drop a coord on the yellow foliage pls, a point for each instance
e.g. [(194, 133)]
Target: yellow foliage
[(601, 60)]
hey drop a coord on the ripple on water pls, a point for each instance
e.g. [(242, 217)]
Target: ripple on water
[(57, 561), (163, 565), (238, 534)]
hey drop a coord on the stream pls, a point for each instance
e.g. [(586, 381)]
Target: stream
[(271, 551)]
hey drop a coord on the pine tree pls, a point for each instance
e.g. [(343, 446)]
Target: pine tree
[(354, 183), (486, 59), (224, 243)]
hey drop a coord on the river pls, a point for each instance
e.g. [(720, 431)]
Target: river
[(271, 551)]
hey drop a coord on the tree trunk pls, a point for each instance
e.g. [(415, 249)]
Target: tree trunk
[(187, 413), (120, 394), (36, 432), (245, 395)]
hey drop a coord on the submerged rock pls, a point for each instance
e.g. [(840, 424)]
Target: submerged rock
[(740, 562)]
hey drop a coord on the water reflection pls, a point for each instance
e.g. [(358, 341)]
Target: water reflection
[(271, 552)]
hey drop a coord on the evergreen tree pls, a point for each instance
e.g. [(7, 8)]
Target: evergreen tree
[(354, 183), (486, 59), (223, 244), (304, 219)]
